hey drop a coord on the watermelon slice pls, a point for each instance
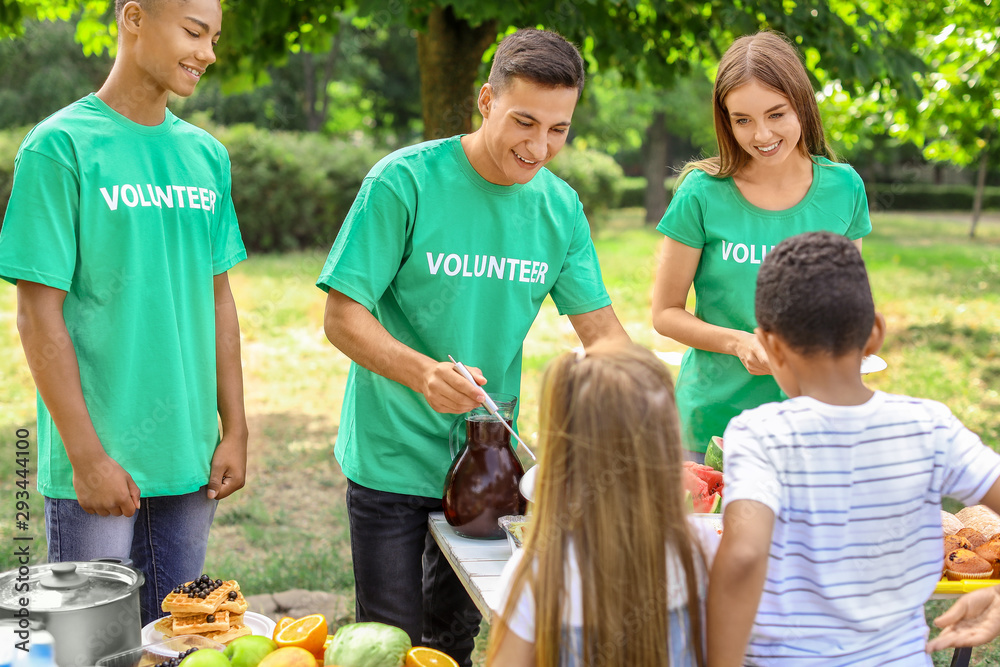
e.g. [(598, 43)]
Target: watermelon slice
[(702, 488)]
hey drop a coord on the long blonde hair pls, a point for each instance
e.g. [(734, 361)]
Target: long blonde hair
[(772, 61), (609, 482)]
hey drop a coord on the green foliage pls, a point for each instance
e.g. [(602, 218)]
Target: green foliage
[(926, 197), (43, 72), (634, 191), (293, 190), (595, 176)]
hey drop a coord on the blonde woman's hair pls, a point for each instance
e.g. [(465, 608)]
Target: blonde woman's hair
[(772, 61), (609, 484)]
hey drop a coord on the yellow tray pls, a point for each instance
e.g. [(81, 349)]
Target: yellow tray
[(945, 587)]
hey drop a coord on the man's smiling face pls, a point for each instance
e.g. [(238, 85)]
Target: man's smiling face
[(524, 127)]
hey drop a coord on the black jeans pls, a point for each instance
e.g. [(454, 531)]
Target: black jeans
[(401, 578)]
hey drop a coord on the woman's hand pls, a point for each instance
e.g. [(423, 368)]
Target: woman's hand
[(752, 354)]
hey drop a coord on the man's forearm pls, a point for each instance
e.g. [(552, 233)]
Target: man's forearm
[(229, 365)]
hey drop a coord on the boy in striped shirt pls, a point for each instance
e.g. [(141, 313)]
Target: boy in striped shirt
[(832, 537)]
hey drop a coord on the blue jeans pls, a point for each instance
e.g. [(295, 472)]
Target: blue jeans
[(400, 575), (166, 540)]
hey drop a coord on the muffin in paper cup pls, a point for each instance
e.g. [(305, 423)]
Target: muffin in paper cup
[(964, 564)]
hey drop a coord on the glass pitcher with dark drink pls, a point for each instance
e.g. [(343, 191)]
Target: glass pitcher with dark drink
[(482, 484)]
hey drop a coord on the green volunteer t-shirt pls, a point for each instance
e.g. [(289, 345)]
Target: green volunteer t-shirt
[(734, 236), (449, 263), (132, 222)]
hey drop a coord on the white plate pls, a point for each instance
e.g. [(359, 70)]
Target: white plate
[(527, 485), (873, 364), (258, 624)]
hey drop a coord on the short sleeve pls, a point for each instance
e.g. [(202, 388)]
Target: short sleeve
[(750, 474), (38, 241), (522, 620), (971, 467), (369, 248), (684, 219), (861, 223), (227, 243), (579, 288)]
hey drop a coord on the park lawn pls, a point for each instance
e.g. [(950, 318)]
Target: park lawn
[(938, 289)]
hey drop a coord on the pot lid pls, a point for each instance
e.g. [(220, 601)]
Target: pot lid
[(67, 586)]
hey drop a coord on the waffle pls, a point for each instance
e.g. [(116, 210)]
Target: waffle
[(237, 606), (189, 616), (182, 603), (198, 624)]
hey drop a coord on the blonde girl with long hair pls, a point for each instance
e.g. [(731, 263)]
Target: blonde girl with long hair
[(612, 573), (774, 177)]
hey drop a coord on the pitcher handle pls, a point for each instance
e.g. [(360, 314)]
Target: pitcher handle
[(456, 437)]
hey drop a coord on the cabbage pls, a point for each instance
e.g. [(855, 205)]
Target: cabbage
[(368, 645)]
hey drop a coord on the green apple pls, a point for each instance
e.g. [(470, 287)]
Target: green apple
[(249, 650), (205, 657)]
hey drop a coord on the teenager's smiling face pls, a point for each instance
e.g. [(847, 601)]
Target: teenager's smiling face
[(177, 43), (523, 128), (764, 123)]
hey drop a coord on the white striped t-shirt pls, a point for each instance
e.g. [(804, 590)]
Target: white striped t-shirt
[(856, 550)]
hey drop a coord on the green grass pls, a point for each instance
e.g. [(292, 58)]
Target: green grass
[(288, 529)]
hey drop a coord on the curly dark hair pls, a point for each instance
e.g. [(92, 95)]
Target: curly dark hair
[(813, 291)]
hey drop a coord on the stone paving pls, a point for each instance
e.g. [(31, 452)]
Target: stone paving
[(337, 608)]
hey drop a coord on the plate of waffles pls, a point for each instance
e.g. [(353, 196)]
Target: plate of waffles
[(258, 624), (210, 608)]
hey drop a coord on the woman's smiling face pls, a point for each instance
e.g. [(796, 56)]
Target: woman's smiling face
[(764, 123)]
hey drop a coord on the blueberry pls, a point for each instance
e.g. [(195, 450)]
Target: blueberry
[(233, 595)]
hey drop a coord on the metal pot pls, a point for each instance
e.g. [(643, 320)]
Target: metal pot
[(91, 608)]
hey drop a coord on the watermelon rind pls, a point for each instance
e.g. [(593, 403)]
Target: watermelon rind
[(713, 454), (716, 504)]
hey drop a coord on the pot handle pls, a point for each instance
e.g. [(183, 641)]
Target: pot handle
[(63, 576), (456, 436)]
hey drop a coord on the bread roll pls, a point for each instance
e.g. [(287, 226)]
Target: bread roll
[(950, 523), (982, 518)]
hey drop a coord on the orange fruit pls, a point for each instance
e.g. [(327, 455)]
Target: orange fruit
[(425, 656), (282, 622), (288, 656), (308, 632)]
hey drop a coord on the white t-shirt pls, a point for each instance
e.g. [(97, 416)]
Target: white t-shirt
[(522, 621), (857, 543)]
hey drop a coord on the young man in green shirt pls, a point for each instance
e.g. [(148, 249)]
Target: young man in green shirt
[(450, 248), (119, 233)]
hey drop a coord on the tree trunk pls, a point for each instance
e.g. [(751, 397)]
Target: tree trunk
[(655, 168), (449, 53), (977, 202)]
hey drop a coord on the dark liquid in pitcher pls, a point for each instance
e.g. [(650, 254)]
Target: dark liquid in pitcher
[(482, 483)]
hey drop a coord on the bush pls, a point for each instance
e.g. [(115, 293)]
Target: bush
[(927, 197), (290, 190), (595, 176)]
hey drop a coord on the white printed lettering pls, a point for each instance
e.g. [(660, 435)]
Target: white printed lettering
[(432, 265), (211, 199), (128, 192), (543, 267), (113, 199), (480, 271), (497, 266), (203, 195), (534, 271), (465, 266), (525, 270), (142, 199), (179, 189), (164, 197), (192, 194), (512, 263), (736, 253), (726, 250), (447, 263)]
